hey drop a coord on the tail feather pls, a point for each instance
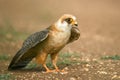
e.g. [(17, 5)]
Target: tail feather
[(21, 59)]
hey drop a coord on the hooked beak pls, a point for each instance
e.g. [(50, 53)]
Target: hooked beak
[(74, 23)]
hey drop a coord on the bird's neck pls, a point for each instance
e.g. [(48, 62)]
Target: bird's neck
[(61, 26)]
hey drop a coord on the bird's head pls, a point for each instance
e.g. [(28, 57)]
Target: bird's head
[(67, 21)]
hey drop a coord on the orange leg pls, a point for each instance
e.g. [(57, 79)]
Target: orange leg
[(41, 59), (54, 60), (47, 69)]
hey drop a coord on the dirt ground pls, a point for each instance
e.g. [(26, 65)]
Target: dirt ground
[(97, 50)]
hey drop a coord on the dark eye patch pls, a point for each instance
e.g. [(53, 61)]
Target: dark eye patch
[(69, 20)]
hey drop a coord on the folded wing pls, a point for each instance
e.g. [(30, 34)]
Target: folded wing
[(24, 55)]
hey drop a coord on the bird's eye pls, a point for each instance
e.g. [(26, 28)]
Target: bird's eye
[(69, 20)]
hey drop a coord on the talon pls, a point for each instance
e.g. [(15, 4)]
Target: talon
[(63, 70), (57, 70), (49, 71)]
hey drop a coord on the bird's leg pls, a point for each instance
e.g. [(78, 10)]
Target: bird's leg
[(47, 69), (41, 59), (54, 60)]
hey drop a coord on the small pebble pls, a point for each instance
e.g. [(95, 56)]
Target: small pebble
[(115, 76), (101, 72), (86, 69), (72, 78), (66, 68), (63, 72)]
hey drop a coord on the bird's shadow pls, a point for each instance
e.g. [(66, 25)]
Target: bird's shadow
[(37, 69)]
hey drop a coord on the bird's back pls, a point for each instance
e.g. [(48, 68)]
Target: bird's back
[(27, 52)]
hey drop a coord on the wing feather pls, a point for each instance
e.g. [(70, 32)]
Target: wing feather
[(24, 56)]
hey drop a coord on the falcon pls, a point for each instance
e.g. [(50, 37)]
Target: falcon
[(47, 42)]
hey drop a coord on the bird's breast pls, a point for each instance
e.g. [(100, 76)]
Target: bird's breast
[(59, 38)]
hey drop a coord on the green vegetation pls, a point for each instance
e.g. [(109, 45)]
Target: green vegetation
[(31, 65), (63, 59), (84, 62), (6, 76), (115, 57), (4, 57), (67, 59), (11, 35)]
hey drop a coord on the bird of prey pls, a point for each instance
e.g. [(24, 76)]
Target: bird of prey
[(47, 42)]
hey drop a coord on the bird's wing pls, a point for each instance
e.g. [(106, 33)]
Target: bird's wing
[(24, 56), (75, 34)]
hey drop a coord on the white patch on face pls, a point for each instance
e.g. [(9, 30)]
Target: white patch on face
[(64, 26)]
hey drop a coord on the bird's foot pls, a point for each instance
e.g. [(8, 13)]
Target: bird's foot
[(58, 70), (63, 71), (55, 70), (49, 71)]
